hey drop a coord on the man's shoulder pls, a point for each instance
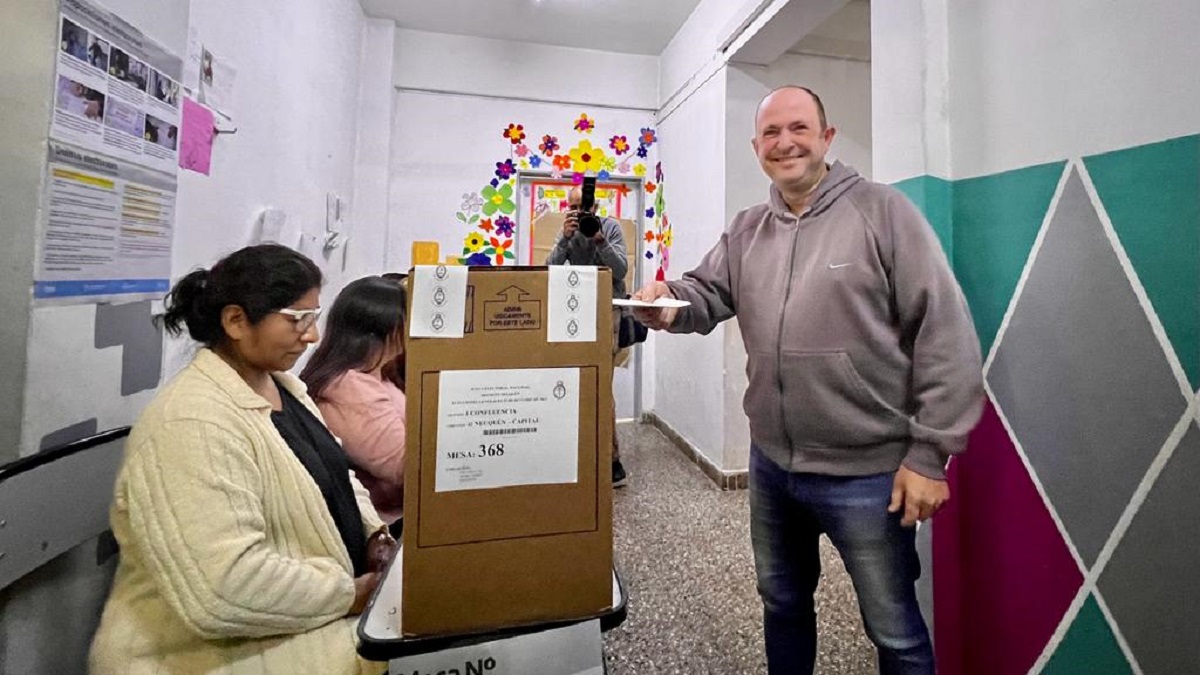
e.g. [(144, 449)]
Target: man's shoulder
[(748, 219)]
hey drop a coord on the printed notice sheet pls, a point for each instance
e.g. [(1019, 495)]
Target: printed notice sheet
[(572, 303), (439, 305), (116, 91), (503, 428), (108, 230)]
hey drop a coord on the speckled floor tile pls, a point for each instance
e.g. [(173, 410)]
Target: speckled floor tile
[(683, 550)]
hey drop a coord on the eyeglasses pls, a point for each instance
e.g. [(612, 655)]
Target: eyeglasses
[(302, 319)]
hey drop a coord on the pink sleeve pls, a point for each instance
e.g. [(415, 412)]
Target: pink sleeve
[(370, 423)]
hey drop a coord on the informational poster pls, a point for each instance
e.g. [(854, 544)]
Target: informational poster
[(108, 230), (504, 428), (116, 92)]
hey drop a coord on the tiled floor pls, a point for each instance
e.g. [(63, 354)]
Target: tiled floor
[(683, 550)]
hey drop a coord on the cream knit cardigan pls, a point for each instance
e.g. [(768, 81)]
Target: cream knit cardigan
[(230, 562)]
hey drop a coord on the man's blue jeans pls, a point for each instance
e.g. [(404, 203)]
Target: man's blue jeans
[(788, 513)]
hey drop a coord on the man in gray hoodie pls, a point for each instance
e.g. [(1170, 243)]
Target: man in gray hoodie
[(864, 378)]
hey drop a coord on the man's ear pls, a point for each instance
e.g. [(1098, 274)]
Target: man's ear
[(235, 322)]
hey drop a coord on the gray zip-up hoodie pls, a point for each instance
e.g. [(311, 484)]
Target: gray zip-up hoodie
[(862, 352)]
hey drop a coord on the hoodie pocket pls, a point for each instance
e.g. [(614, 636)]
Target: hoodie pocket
[(827, 403)]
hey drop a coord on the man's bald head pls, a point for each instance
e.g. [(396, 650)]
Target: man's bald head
[(788, 94)]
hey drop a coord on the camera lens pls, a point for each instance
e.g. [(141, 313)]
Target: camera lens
[(589, 224)]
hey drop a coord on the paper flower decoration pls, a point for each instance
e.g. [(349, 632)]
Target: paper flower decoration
[(562, 162), (639, 170), (649, 237), (658, 174), (505, 169), (649, 255), (651, 187), (650, 212), (619, 144), (548, 146), (623, 167), (535, 161), (498, 200), (486, 225), (515, 133), (522, 150), (473, 242), (641, 151), (478, 260), (603, 175), (584, 124), (667, 238), (524, 164), (610, 164), (504, 226), (499, 249), (648, 137), (471, 202), (556, 172), (577, 178), (585, 158)]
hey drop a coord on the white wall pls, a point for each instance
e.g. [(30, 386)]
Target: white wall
[(695, 48), (297, 115), (910, 89), (25, 86), (482, 66), (689, 370), (1024, 95)]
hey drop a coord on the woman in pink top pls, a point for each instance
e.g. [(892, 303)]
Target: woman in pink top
[(352, 377)]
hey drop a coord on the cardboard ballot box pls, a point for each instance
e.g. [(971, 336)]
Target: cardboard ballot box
[(508, 498)]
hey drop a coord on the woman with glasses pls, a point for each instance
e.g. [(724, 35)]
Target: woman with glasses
[(245, 541), (355, 376)]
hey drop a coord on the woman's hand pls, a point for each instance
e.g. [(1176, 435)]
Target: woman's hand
[(364, 586), (381, 548)]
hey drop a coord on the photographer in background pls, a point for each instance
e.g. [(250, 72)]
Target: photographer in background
[(589, 239)]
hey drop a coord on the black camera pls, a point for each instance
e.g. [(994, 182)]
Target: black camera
[(589, 223)]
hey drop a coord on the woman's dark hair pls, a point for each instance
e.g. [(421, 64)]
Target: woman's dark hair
[(366, 315), (259, 279)]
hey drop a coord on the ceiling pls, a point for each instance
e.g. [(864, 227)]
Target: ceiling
[(628, 26), (846, 33)]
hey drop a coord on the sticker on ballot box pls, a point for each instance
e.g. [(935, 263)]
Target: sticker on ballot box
[(504, 428), (572, 650)]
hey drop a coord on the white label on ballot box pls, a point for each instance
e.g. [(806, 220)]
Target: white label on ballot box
[(573, 650), (571, 313), (501, 428), (439, 305)]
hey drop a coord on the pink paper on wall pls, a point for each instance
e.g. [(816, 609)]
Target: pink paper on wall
[(195, 150)]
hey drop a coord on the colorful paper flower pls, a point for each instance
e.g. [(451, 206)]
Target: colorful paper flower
[(499, 249), (651, 187), (641, 151), (603, 175), (471, 202), (524, 164), (577, 178), (474, 242), (498, 200), (478, 260), (649, 255), (486, 225), (584, 157), (556, 172), (505, 169), (610, 164), (515, 133), (650, 212), (522, 150), (535, 161), (649, 237), (619, 144), (562, 162), (639, 170), (584, 124), (668, 237), (495, 182), (623, 167), (658, 174), (504, 226), (548, 146), (648, 137)]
